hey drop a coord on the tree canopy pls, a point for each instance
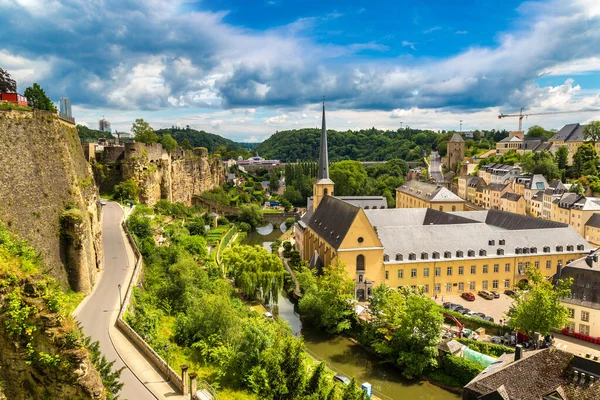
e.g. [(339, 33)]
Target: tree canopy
[(349, 177), (168, 143), (36, 98), (537, 131), (540, 310), (86, 133), (189, 138), (143, 132), (250, 214), (7, 84), (592, 131)]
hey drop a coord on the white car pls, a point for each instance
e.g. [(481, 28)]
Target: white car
[(102, 202), (268, 315)]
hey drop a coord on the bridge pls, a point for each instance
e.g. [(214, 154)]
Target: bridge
[(214, 206)]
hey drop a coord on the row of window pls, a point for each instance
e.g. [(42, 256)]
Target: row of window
[(585, 315), (522, 267), (471, 253), (583, 329), (437, 288)]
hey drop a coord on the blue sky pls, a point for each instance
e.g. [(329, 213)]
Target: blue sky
[(244, 69)]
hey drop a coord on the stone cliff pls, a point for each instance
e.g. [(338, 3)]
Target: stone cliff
[(48, 195), (175, 176)]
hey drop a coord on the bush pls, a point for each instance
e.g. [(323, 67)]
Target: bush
[(127, 190), (245, 227), (490, 349), (140, 226), (461, 369), (443, 378), (289, 222), (222, 221)]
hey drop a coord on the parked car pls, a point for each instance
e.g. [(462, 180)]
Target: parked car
[(485, 294), (479, 315), (497, 339), (455, 307), (468, 296), (268, 315), (463, 311), (341, 378), (495, 294), (102, 202), (510, 293), (488, 319), (447, 304)]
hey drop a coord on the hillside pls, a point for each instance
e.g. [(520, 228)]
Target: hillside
[(89, 135), (364, 145), (48, 195), (201, 139)]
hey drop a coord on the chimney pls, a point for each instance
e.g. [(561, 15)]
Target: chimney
[(193, 383), (589, 260), (184, 378), (592, 380), (582, 380), (575, 377), (558, 270), (518, 352)]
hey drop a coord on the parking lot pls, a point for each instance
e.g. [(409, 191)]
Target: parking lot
[(494, 308)]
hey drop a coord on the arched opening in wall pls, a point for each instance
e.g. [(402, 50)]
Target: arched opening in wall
[(441, 208), (360, 262), (360, 294), (453, 208), (325, 192)]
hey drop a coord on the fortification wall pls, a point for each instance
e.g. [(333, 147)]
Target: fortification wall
[(48, 195)]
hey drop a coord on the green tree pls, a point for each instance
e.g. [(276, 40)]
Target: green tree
[(127, 190), (36, 98), (541, 162), (353, 392), (592, 131), (327, 299), (7, 84), (258, 273), (273, 182), (143, 132), (537, 131), (561, 157), (318, 383), (577, 187), (540, 310), (195, 245), (349, 177), (585, 153), (186, 144), (168, 142), (250, 214)]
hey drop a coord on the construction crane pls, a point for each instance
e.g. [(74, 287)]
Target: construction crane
[(521, 115)]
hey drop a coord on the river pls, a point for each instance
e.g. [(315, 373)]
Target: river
[(342, 355)]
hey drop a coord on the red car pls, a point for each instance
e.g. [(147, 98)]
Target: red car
[(468, 296)]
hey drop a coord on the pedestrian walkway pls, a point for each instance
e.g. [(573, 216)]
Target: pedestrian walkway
[(132, 357)]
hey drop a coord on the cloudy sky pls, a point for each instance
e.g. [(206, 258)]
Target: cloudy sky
[(246, 68)]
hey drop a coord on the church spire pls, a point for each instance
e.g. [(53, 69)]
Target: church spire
[(323, 157)]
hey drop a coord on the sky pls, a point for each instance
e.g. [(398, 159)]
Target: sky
[(245, 69)]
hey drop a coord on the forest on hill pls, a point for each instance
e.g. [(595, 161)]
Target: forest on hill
[(214, 143), (366, 145)]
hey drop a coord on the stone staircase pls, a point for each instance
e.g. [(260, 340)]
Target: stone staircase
[(203, 395)]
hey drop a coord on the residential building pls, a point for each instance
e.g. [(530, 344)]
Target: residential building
[(495, 192), (517, 142), (414, 194), (575, 209), (547, 374), (473, 186), (553, 192), (535, 205), (15, 98), (535, 184), (65, 107), (498, 173), (592, 230), (104, 125), (415, 173), (514, 203), (584, 303), (455, 151), (572, 136)]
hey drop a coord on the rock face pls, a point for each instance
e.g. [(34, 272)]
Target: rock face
[(176, 176), (48, 195)]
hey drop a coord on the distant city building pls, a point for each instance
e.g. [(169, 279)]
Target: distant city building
[(104, 125), (65, 106), (257, 161)]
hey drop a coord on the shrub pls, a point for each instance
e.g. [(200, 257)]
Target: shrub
[(140, 226), (461, 369), (289, 222), (490, 349), (128, 189), (245, 227), (222, 221)]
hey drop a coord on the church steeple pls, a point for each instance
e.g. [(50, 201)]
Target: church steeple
[(323, 157), (323, 186)]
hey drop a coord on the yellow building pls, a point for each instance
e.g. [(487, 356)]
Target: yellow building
[(572, 137), (494, 193), (473, 186), (513, 203), (415, 194), (575, 209), (584, 303)]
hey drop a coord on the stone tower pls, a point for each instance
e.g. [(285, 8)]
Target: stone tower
[(323, 186), (456, 151)]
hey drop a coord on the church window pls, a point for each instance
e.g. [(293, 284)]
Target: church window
[(360, 262)]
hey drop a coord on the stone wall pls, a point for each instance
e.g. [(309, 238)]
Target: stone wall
[(48, 195), (176, 177)]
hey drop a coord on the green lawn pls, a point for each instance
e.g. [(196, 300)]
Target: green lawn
[(270, 211)]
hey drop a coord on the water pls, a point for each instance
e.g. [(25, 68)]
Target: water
[(264, 236), (345, 357)]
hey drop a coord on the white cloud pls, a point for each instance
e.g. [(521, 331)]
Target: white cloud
[(574, 67), (277, 120), (461, 32), (432, 29), (406, 43), (216, 124)]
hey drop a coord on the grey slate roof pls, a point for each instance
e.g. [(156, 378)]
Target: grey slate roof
[(586, 282), (511, 196), (496, 187), (359, 201), (428, 192), (474, 181), (537, 182), (594, 220), (456, 138), (414, 216), (570, 133), (332, 220)]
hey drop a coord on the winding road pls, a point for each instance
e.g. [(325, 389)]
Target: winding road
[(435, 168), (99, 313)]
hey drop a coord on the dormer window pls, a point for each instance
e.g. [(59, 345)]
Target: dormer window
[(546, 249), (459, 253), (491, 242), (399, 257), (447, 254), (500, 252), (569, 247), (386, 257), (424, 256), (471, 253), (580, 247), (534, 250), (412, 256), (518, 250), (525, 250), (435, 255), (482, 252), (559, 248), (502, 242)]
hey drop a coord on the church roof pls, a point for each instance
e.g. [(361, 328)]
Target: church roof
[(323, 172), (332, 220), (456, 138), (428, 192)]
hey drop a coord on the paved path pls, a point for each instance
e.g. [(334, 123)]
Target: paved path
[(98, 313), (435, 168)]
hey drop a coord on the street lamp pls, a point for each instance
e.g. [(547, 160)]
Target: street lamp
[(120, 297), (167, 350)]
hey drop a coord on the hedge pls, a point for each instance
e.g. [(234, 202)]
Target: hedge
[(490, 349), (461, 369)]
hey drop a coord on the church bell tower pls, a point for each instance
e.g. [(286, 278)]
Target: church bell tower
[(323, 186)]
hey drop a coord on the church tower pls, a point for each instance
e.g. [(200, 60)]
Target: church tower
[(323, 186)]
